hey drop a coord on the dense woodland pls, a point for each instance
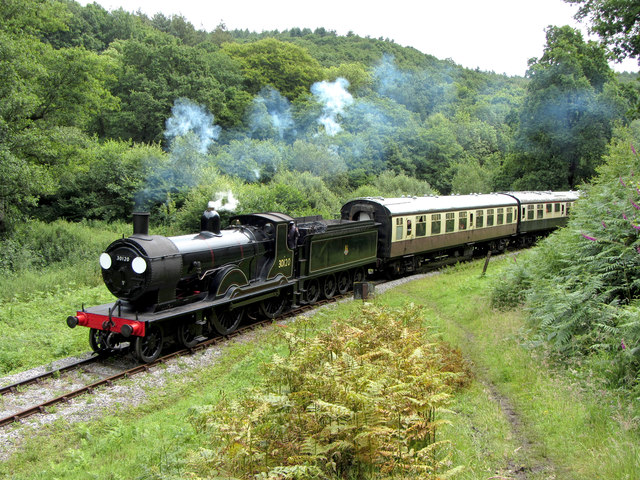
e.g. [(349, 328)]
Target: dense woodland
[(104, 112)]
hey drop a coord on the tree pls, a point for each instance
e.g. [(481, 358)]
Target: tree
[(155, 69), (47, 96), (568, 114), (284, 66), (391, 184), (617, 22)]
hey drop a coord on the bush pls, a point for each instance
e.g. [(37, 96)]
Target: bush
[(582, 284), (360, 401), (34, 245)]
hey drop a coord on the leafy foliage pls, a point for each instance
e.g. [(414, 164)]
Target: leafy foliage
[(80, 86), (616, 22), (590, 305), (567, 117), (360, 400), (283, 66)]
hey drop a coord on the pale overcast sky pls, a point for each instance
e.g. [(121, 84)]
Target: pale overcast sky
[(494, 35)]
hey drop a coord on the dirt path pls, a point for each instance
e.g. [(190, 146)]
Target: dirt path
[(527, 461)]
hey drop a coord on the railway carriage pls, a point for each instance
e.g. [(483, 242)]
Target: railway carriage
[(542, 211), (438, 230)]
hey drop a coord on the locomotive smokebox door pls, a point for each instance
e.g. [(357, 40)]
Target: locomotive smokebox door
[(363, 290)]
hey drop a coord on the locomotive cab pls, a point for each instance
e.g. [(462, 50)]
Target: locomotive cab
[(278, 258)]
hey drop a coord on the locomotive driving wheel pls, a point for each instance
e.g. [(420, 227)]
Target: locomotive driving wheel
[(272, 307), (329, 286), (225, 320), (148, 348)]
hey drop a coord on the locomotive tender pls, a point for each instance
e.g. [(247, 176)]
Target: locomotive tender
[(189, 286)]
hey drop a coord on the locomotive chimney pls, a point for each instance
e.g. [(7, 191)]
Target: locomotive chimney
[(210, 220), (141, 223)]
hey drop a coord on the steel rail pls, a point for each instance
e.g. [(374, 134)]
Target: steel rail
[(42, 407), (13, 388)]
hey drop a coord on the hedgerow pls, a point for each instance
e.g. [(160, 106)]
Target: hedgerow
[(581, 285)]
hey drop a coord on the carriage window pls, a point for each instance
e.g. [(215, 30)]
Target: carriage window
[(462, 220), (557, 207), (435, 223), (399, 228), (451, 222), (549, 208), (479, 218), (568, 207), (530, 212), (509, 215), (500, 219), (421, 225), (408, 228), (540, 211), (490, 217)]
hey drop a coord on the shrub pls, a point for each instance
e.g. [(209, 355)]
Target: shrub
[(582, 284), (361, 400)]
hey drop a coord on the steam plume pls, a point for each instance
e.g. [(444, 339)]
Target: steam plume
[(335, 97), (190, 117)]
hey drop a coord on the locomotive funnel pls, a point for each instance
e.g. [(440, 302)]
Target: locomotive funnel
[(210, 221), (141, 223)]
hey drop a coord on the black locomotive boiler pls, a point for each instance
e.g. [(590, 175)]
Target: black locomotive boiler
[(188, 287)]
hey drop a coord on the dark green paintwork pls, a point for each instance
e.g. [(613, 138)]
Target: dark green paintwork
[(331, 254)]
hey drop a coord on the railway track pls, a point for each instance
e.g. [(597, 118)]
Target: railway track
[(17, 388), (41, 408)]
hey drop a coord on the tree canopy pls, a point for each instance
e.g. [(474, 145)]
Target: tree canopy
[(100, 109), (568, 114), (617, 22)]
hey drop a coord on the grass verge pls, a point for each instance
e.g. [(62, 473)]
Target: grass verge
[(546, 425), (520, 418)]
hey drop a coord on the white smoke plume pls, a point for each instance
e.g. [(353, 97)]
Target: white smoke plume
[(271, 112), (335, 97), (224, 202), (191, 117)]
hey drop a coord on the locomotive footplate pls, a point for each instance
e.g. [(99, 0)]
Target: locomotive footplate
[(121, 318)]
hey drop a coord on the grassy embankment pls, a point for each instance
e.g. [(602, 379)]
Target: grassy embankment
[(47, 272), (520, 418)]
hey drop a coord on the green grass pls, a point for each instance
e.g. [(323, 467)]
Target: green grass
[(35, 300), (34, 332), (572, 430), (558, 428)]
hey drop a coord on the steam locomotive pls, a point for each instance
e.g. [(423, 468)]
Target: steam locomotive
[(188, 287)]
